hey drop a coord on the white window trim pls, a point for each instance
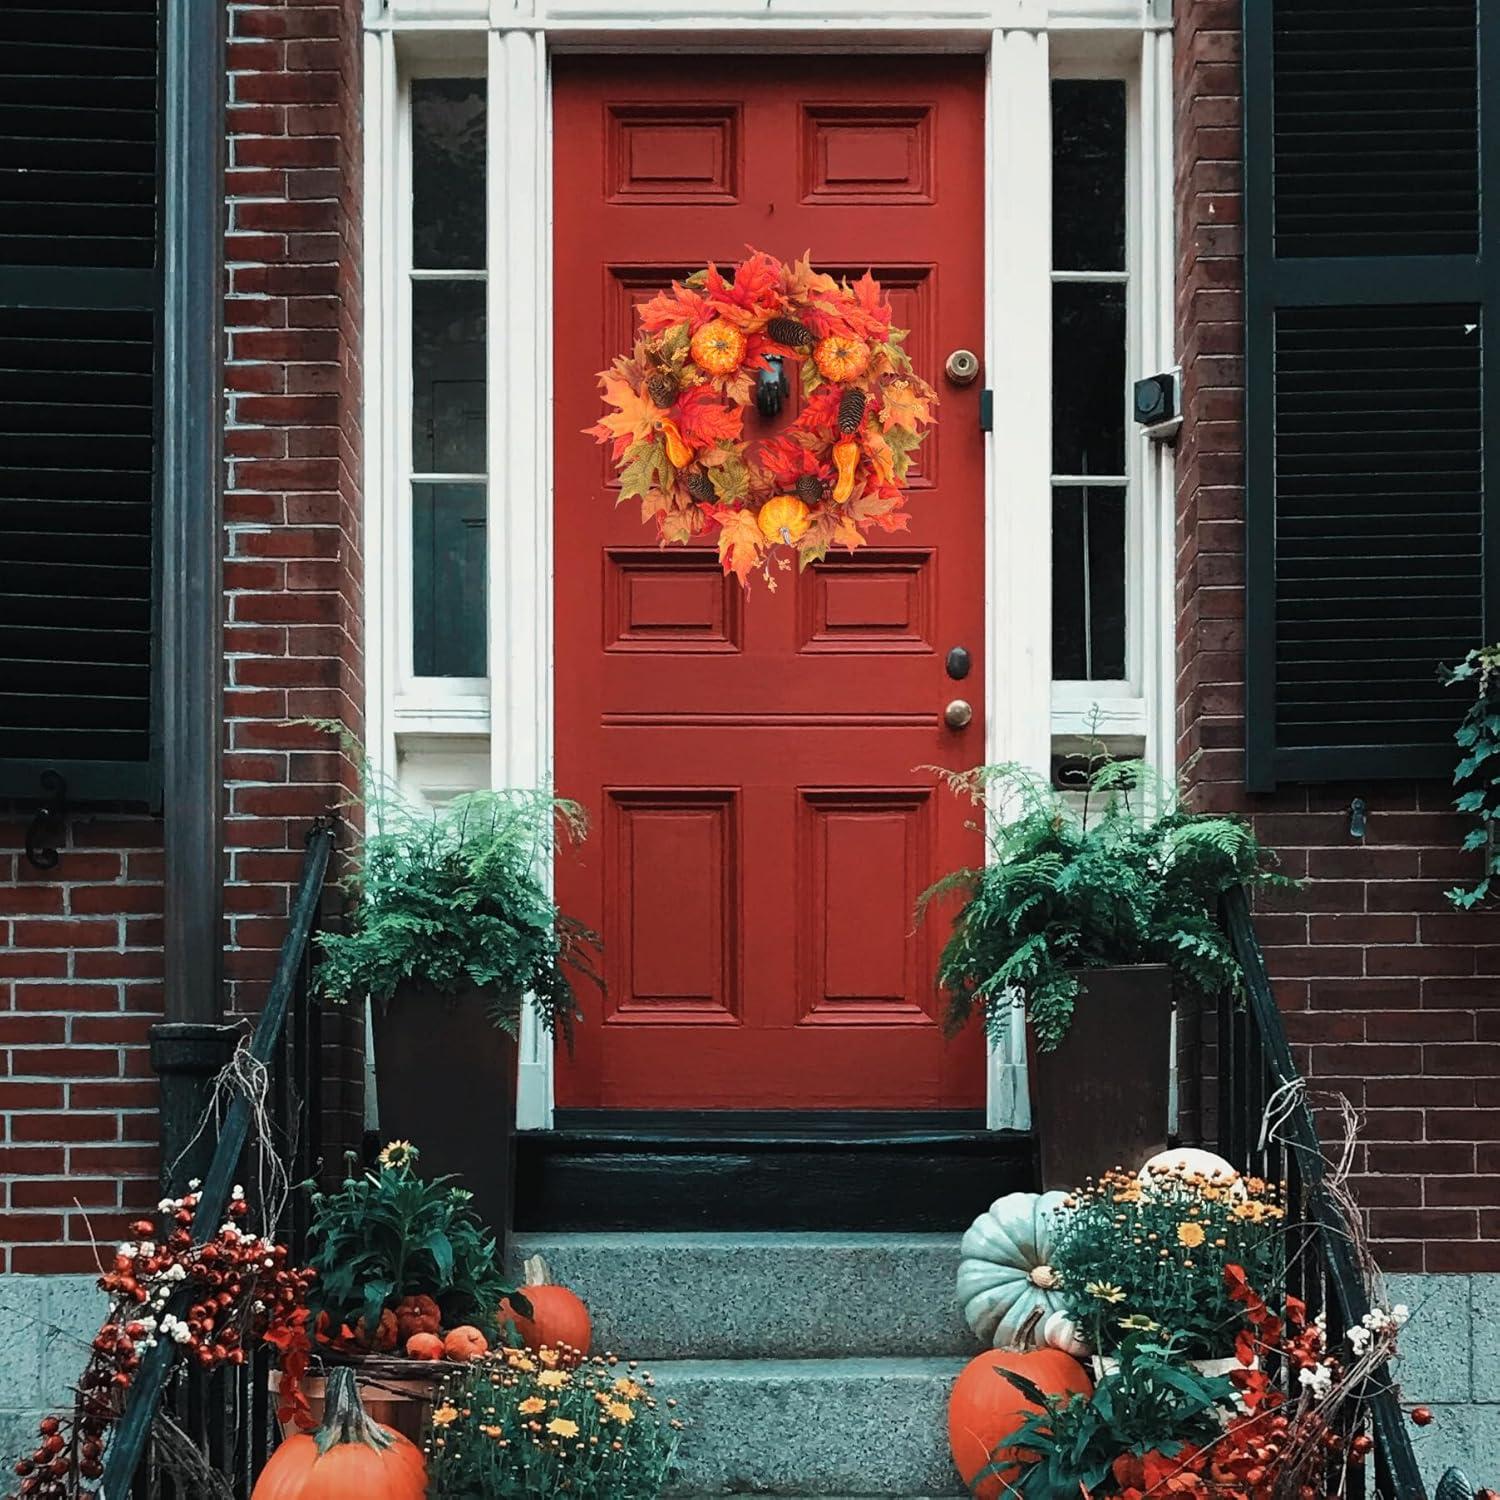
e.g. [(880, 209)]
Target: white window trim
[(1025, 42)]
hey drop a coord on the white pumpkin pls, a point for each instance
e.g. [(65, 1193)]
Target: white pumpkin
[(1188, 1160), (1006, 1286)]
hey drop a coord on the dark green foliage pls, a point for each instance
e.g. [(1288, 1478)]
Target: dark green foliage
[(1121, 874), (389, 1234), (1151, 1403), (1477, 774), (453, 899)]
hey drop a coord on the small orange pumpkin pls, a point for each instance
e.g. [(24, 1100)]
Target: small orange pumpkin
[(841, 358), (558, 1319), (718, 347), (417, 1314), (424, 1346), (984, 1409), (679, 455), (348, 1456), (846, 460), (383, 1340), (465, 1343), (783, 519)]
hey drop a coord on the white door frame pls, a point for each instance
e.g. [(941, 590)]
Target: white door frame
[(515, 39)]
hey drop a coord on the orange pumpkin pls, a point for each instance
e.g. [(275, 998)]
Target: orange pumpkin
[(840, 358), (424, 1346), (417, 1314), (679, 455), (985, 1408), (718, 347), (558, 1320), (465, 1343), (348, 1458), (783, 519), (846, 460)]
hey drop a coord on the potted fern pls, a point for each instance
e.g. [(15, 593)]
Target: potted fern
[(450, 931), (1092, 909)]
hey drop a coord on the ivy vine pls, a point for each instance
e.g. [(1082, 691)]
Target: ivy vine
[(1477, 774)]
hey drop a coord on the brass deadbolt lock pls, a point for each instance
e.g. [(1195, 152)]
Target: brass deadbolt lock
[(962, 367)]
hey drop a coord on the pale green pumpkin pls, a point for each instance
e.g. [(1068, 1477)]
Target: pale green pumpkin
[(1006, 1285)]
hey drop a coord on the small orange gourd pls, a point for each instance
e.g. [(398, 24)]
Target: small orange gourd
[(349, 1457), (679, 455), (846, 460), (718, 347), (558, 1319), (424, 1346), (465, 1343), (841, 358), (783, 519), (417, 1314)]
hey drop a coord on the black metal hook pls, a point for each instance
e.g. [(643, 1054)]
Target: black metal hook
[(48, 827), (771, 387)]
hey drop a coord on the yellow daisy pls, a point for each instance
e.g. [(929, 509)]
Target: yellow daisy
[(1190, 1233), (445, 1414), (620, 1411), (629, 1389), (1105, 1291), (552, 1379), (563, 1427), (531, 1405)]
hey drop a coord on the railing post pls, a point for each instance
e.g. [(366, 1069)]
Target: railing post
[(187, 1057)]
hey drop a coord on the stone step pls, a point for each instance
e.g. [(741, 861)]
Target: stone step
[(789, 1295), (812, 1427)]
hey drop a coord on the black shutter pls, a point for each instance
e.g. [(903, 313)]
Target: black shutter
[(79, 326), (1370, 553)]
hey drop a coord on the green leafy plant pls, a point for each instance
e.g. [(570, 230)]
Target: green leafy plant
[(519, 1426), (1122, 874), (453, 899), (388, 1234), (1151, 1404), (1133, 1255), (1477, 773)]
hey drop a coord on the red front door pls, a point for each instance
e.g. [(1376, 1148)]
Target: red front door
[(752, 762)]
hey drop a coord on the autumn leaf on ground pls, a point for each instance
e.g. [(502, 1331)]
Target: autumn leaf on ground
[(740, 542), (635, 420), (903, 406), (705, 419)]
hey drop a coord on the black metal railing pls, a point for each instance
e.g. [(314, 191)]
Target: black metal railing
[(225, 1417), (1253, 1073)]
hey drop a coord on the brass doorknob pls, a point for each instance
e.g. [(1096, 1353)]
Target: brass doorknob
[(958, 714), (962, 367)]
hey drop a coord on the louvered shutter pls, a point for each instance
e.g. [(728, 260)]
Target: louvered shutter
[(79, 301), (1369, 554)]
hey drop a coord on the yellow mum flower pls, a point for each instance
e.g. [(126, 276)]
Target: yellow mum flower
[(1190, 1233), (1105, 1291), (445, 1414), (563, 1427), (629, 1389), (621, 1411), (553, 1379), (531, 1405), (491, 1432)]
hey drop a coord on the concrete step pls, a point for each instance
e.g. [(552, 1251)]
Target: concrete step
[(813, 1427), (790, 1295)]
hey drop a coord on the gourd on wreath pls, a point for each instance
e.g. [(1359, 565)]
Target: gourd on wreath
[(676, 427), (1006, 1284), (349, 1457)]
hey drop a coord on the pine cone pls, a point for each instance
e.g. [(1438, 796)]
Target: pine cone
[(810, 489), (662, 388), (701, 488), (851, 411), (790, 332)]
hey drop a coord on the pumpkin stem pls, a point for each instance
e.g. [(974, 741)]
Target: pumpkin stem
[(535, 1270), (345, 1419)]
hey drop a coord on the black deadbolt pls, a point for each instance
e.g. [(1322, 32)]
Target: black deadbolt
[(958, 663), (771, 388)]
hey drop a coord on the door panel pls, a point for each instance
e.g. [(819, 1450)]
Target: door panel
[(752, 761)]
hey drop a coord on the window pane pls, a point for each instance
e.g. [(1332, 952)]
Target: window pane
[(447, 380), (1088, 584), (1088, 378), (447, 173), (1088, 175), (448, 561)]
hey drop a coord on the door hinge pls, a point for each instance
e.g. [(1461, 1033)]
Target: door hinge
[(986, 411)]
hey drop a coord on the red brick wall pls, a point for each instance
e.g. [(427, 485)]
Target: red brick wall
[(1390, 996), (80, 947)]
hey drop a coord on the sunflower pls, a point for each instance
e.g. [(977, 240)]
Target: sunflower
[(397, 1154)]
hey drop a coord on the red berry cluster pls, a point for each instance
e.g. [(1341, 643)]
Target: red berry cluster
[(239, 1292)]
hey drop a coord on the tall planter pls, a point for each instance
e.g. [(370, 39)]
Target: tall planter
[(445, 1079), (1099, 1100)]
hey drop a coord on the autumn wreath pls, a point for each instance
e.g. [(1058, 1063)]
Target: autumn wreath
[(677, 427)]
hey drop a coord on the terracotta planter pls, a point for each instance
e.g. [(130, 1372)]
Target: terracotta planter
[(1100, 1100), (402, 1405), (445, 1079)]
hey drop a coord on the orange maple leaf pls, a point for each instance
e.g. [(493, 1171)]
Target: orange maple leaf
[(681, 304), (706, 420), (740, 542), (901, 405), (636, 419)]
